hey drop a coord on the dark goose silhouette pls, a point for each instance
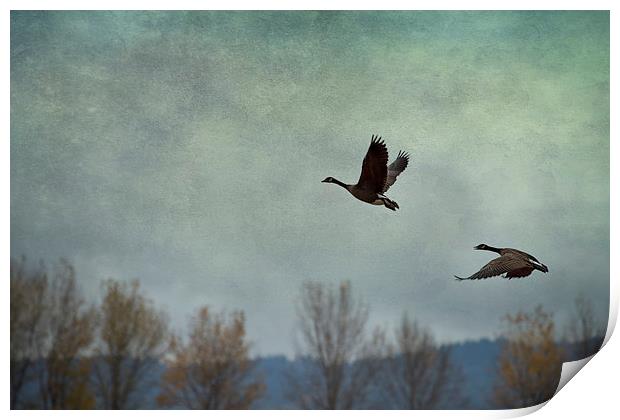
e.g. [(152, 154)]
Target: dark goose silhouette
[(511, 261), (376, 177)]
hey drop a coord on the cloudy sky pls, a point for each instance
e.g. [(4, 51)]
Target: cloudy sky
[(187, 150)]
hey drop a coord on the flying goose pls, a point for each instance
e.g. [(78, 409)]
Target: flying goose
[(376, 177), (511, 261)]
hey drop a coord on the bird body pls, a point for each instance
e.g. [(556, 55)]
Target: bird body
[(376, 177), (511, 262)]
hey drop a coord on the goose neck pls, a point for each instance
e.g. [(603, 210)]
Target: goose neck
[(342, 184)]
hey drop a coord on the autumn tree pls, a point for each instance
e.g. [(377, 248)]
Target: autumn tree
[(132, 337), (28, 306), (51, 327), (583, 331), (530, 361), (340, 362), (419, 374), (70, 323), (212, 370)]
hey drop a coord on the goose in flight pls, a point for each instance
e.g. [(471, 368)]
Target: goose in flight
[(511, 261), (376, 177)]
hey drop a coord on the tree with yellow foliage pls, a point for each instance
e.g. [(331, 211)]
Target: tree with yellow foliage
[(212, 370), (65, 372), (132, 337), (51, 328), (530, 362), (28, 306)]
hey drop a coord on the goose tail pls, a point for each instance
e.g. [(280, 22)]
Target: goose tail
[(541, 267), (390, 204)]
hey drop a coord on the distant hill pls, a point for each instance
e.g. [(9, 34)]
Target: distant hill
[(477, 360)]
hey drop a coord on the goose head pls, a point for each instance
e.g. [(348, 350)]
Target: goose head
[(328, 179), (482, 247)]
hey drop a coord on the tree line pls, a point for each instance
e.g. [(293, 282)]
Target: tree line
[(67, 353)]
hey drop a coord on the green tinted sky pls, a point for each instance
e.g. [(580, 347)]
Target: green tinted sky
[(187, 149)]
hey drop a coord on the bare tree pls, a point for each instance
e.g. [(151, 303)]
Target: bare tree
[(583, 331), (530, 362), (212, 371), (340, 363), (420, 374), (133, 336), (28, 293), (64, 375)]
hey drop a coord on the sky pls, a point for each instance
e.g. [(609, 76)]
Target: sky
[(186, 149)]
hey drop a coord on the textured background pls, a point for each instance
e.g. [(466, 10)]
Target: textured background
[(187, 150)]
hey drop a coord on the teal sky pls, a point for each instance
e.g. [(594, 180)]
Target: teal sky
[(187, 150)]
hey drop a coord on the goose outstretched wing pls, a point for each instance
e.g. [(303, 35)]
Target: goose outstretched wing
[(374, 167), (498, 266), (395, 169)]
